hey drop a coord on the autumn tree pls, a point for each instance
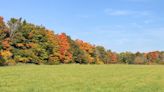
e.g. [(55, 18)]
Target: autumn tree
[(112, 57), (101, 55), (88, 50), (23, 42), (161, 57), (64, 48), (53, 48), (126, 57), (139, 58), (153, 57), (78, 55), (5, 53)]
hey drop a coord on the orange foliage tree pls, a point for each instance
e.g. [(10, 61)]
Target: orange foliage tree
[(153, 57), (64, 48), (113, 57), (54, 53), (5, 48), (88, 50)]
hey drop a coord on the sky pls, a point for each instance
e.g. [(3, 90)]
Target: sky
[(119, 25)]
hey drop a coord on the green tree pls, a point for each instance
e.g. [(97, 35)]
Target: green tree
[(101, 54), (126, 57)]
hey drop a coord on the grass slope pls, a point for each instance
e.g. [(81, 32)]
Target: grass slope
[(82, 78)]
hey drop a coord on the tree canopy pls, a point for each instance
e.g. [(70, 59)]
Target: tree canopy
[(23, 42)]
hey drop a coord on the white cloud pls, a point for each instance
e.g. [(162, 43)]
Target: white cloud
[(116, 12), (136, 0), (148, 21), (121, 38), (136, 25), (113, 12), (83, 16)]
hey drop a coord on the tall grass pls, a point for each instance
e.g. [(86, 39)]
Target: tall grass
[(82, 78)]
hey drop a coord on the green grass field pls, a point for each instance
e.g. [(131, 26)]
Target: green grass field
[(82, 78)]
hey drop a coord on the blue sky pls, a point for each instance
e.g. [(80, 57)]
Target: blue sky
[(119, 25)]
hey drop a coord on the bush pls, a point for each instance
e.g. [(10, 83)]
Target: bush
[(53, 61), (11, 62), (2, 61)]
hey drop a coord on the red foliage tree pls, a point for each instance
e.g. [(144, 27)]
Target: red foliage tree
[(153, 57), (88, 50), (85, 46), (65, 54)]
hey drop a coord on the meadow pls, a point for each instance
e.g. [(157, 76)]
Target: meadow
[(82, 78)]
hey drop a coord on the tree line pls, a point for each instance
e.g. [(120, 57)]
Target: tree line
[(23, 42)]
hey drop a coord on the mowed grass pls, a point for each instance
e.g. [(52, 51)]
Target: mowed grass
[(82, 78)]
